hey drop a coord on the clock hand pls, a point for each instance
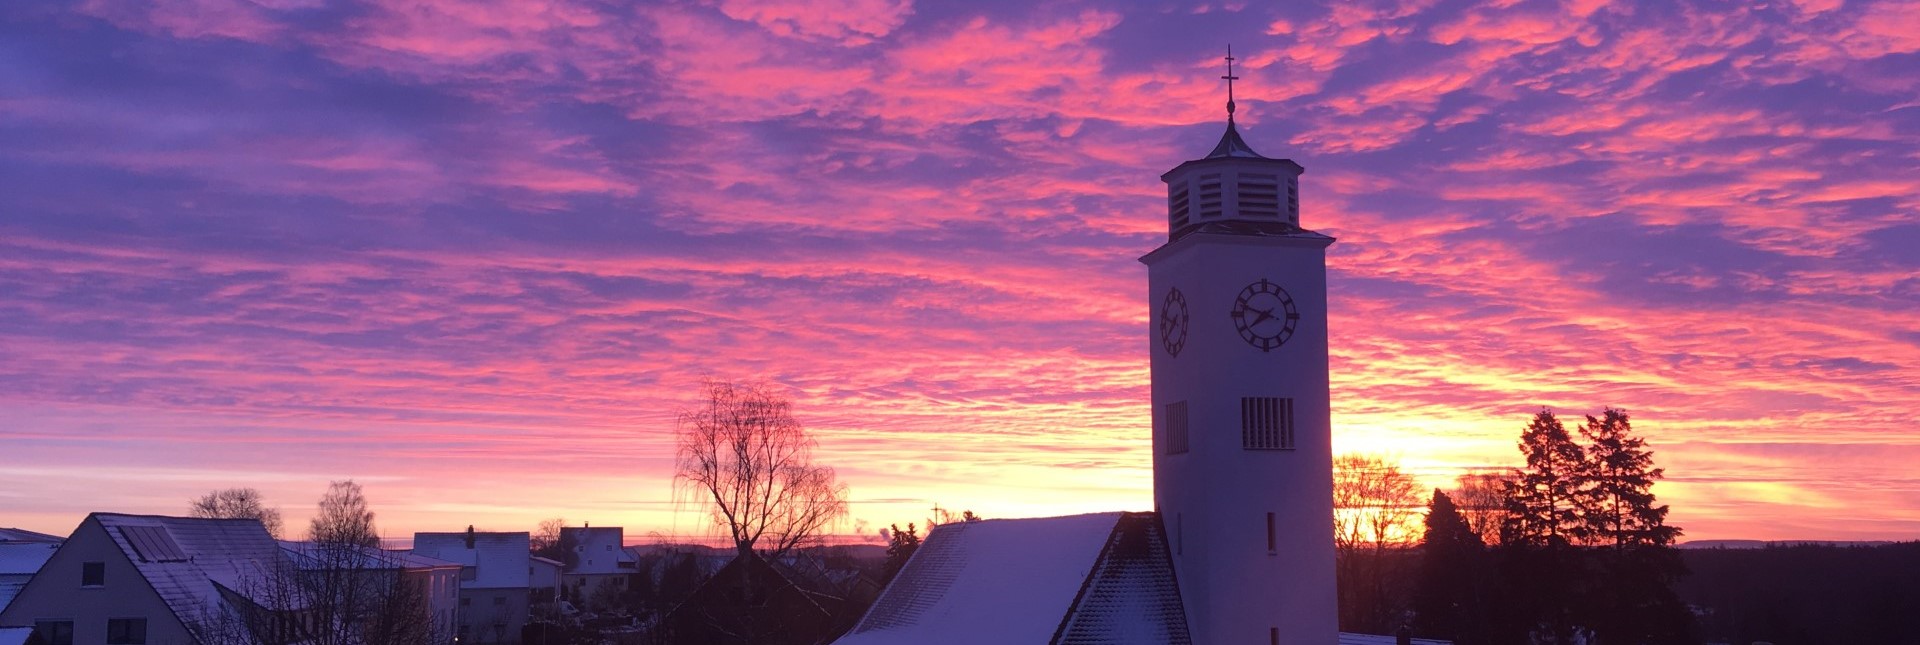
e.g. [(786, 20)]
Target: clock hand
[(1265, 315)]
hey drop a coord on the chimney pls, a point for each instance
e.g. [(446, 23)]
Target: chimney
[(469, 536)]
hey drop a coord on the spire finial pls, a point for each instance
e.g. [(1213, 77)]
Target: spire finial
[(1230, 79)]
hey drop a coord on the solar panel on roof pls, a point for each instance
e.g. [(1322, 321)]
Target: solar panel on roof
[(153, 544)]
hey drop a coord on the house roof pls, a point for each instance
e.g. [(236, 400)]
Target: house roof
[(18, 562), (24, 558), (14, 635), (1376, 639), (499, 560), (1102, 578), (23, 535), (311, 557), (186, 560)]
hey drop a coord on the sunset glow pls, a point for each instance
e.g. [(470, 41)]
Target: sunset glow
[(477, 255)]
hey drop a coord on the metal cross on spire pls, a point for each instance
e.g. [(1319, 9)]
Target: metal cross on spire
[(1230, 79)]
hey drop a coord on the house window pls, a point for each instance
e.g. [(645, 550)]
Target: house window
[(55, 632), (466, 602), (1266, 423), (499, 600), (1270, 544), (93, 574), (1176, 427), (126, 631)]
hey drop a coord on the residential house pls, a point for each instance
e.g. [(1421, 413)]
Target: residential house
[(546, 579), (598, 561), (495, 580), (21, 555), (133, 579), (379, 571)]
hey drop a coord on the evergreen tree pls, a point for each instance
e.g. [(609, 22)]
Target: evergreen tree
[(1620, 511), (1447, 598), (1542, 577), (1544, 502), (1633, 600), (900, 548)]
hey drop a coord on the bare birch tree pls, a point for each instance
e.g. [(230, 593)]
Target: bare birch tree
[(742, 453), (1375, 506), (237, 504)]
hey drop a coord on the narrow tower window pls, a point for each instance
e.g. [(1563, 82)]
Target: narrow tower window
[(1266, 423), (1270, 546), (1273, 635), (1176, 427)]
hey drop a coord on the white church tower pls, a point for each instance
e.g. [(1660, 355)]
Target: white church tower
[(1242, 462)]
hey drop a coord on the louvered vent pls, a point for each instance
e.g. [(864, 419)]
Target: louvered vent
[(1259, 196), (1293, 200), (1177, 208), (1266, 423), (1209, 196)]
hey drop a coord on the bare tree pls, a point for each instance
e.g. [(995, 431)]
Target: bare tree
[(743, 454), (237, 503), (548, 534), (1375, 508), (1482, 502), (344, 518)]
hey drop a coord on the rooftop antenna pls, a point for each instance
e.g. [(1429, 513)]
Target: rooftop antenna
[(1230, 79)]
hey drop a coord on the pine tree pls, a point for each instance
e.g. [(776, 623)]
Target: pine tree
[(1447, 598), (1633, 599), (900, 548), (1544, 502), (1620, 511)]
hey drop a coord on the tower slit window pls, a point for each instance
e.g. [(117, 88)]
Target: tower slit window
[(1266, 423), (1176, 416), (1271, 546)]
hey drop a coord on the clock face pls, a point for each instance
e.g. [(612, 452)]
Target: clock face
[(1173, 322), (1264, 315)]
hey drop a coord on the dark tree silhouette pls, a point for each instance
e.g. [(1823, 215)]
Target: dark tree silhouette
[(1448, 596), (1544, 501), (237, 504), (900, 548), (344, 518), (743, 454), (1633, 598)]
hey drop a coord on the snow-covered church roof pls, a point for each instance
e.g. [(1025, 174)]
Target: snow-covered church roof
[(1100, 578)]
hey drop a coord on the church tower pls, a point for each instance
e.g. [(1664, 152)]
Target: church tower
[(1242, 458)]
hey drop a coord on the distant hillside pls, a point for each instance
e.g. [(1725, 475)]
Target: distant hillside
[(1838, 593), (1761, 544)]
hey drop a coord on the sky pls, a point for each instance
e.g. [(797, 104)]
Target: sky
[(477, 256)]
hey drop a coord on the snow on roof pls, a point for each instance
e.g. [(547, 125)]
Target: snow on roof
[(1131, 596), (23, 535), (989, 581), (210, 554), (18, 562), (599, 549), (14, 635), (1376, 639), (500, 560), (24, 558)]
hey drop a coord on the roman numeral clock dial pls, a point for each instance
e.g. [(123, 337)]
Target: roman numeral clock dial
[(1264, 315), (1173, 322)]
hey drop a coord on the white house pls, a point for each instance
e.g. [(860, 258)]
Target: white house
[(130, 579), (599, 559), (1238, 549), (496, 573)]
